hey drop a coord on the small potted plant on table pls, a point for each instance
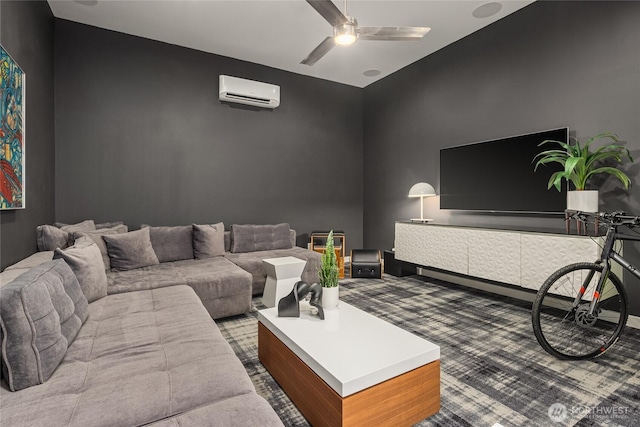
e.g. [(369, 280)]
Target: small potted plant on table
[(328, 273)]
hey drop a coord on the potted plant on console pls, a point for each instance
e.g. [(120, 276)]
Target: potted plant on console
[(580, 164), (328, 273)]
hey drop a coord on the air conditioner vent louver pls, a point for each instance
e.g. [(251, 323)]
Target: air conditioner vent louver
[(248, 92), (247, 98)]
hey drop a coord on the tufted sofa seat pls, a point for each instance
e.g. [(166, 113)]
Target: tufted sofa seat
[(223, 288), (142, 357)]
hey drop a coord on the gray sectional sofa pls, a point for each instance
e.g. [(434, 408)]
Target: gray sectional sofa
[(141, 347), (225, 278)]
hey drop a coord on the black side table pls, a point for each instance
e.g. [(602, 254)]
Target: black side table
[(396, 267)]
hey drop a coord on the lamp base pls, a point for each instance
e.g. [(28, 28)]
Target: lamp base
[(425, 220)]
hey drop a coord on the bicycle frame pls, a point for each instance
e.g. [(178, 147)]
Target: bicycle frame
[(608, 254)]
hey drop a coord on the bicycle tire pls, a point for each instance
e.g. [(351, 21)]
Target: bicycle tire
[(569, 333)]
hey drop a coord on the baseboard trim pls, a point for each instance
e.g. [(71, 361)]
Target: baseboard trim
[(634, 322), (522, 294)]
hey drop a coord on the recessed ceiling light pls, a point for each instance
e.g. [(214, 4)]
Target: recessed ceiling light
[(486, 10), (371, 73)]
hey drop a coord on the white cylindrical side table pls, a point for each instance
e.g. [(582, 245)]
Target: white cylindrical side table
[(282, 274)]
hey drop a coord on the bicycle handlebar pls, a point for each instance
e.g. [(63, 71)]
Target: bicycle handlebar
[(611, 218)]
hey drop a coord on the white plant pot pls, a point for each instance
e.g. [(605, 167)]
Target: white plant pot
[(330, 297), (582, 200)]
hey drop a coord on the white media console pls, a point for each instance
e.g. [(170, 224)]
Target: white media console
[(518, 258)]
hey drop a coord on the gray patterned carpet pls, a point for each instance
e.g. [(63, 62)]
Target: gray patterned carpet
[(492, 368)]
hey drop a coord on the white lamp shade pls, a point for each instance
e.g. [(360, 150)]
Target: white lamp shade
[(422, 189)]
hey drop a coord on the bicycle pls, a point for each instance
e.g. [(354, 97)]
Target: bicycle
[(581, 309)]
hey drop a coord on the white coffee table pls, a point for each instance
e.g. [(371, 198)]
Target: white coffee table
[(351, 368), (282, 274)]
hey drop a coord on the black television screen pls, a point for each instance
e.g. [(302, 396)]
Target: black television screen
[(498, 175)]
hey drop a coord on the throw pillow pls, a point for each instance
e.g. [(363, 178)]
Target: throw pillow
[(85, 261), (130, 250), (111, 224), (172, 243), (41, 312), (49, 238), (251, 238), (98, 226), (96, 237), (81, 226), (208, 240), (227, 241)]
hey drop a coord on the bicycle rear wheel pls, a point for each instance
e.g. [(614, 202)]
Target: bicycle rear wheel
[(566, 330)]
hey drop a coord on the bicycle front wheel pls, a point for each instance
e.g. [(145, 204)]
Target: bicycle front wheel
[(561, 320)]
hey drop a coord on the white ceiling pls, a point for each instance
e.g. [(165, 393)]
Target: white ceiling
[(280, 33)]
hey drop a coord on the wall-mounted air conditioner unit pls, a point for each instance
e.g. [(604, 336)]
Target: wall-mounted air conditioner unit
[(249, 92)]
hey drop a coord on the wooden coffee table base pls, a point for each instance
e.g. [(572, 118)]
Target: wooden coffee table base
[(400, 401)]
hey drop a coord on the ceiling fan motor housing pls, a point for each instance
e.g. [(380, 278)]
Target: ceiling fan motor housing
[(346, 33)]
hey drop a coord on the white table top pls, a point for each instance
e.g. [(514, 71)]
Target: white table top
[(285, 260), (350, 350)]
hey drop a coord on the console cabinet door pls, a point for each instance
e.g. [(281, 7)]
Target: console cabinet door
[(495, 255), (544, 254), (446, 248)]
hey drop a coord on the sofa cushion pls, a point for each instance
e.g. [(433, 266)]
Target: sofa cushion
[(86, 225), (31, 261), (251, 237), (8, 276), (130, 250), (227, 239), (49, 238), (85, 261), (208, 240), (96, 237), (246, 410), (41, 312), (98, 226), (141, 357), (110, 224), (223, 287), (172, 243)]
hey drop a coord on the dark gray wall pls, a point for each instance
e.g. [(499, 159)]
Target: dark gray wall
[(26, 32), (142, 137), (551, 64)]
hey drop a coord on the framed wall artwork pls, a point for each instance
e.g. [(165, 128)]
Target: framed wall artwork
[(12, 130)]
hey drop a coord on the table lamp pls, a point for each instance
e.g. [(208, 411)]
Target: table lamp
[(422, 190)]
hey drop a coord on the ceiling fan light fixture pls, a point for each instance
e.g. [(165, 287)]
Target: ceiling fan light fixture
[(346, 34)]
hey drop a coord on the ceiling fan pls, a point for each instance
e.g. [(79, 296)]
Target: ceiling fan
[(346, 30)]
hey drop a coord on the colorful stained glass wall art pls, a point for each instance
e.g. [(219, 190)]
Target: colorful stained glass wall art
[(12, 130)]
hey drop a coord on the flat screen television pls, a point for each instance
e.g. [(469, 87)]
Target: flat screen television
[(498, 175)]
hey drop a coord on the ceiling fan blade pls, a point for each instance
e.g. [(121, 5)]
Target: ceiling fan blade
[(320, 51), (392, 33), (329, 11)]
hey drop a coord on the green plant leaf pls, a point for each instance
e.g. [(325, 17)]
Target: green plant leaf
[(549, 159), (571, 164), (328, 271), (560, 143), (550, 152), (615, 172), (556, 180), (609, 135)]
